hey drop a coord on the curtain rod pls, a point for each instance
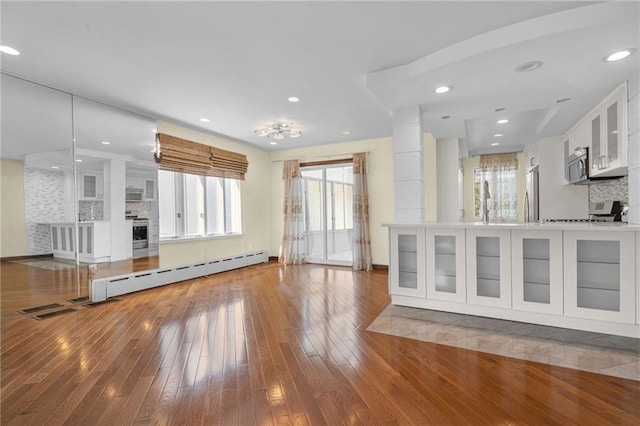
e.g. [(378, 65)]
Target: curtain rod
[(318, 157)]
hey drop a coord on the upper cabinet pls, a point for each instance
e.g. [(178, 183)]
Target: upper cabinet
[(604, 132), (608, 135), (90, 186)]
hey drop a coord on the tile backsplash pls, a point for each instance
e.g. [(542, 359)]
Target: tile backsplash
[(44, 195), (610, 190), (140, 209), (91, 210)]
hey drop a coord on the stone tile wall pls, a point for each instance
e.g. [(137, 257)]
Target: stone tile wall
[(44, 203)]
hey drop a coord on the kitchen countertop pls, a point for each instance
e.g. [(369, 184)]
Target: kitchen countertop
[(63, 222), (569, 226)]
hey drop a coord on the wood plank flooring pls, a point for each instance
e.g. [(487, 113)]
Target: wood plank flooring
[(271, 345)]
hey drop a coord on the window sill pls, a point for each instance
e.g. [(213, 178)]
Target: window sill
[(206, 237)]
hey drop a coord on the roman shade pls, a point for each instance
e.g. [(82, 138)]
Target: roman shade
[(184, 156)]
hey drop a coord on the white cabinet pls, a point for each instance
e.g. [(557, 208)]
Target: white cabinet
[(150, 190), (599, 275), (148, 185), (446, 264), (93, 243), (406, 266), (536, 271), (489, 267), (608, 135), (90, 186)]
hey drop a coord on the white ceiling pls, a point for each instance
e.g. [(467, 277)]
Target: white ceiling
[(351, 63)]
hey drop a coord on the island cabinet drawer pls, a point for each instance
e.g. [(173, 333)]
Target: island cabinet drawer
[(600, 275), (536, 270)]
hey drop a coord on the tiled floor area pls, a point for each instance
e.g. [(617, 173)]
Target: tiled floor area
[(601, 353)]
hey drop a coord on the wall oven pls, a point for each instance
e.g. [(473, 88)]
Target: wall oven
[(140, 234), (577, 167)]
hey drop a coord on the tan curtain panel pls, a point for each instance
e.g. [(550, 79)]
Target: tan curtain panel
[(184, 156), (362, 259), (499, 162)]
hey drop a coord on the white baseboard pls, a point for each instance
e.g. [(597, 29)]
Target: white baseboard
[(104, 288)]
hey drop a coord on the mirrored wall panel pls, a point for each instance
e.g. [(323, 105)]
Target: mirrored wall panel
[(117, 183)]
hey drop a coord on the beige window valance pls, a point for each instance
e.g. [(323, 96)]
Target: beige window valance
[(494, 162), (184, 156)]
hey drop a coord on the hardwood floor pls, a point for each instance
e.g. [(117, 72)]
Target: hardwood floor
[(25, 285), (277, 345)]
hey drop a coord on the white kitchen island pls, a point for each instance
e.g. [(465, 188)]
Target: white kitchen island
[(94, 241), (582, 276)]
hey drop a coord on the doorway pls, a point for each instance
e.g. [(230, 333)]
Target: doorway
[(328, 192)]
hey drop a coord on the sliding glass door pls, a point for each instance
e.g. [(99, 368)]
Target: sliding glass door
[(329, 213)]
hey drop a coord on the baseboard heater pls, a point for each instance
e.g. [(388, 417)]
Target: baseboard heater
[(104, 288)]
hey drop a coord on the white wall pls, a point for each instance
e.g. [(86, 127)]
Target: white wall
[(557, 200), (380, 167), (13, 234), (256, 206), (633, 92)]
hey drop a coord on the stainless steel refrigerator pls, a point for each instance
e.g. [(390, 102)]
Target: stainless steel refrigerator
[(532, 197)]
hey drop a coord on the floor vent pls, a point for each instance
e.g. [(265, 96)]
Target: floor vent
[(40, 308), (54, 313), (79, 299)]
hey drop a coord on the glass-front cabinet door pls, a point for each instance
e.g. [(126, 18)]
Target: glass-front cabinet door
[(445, 267), (537, 271), (599, 275), (407, 262), (489, 267)]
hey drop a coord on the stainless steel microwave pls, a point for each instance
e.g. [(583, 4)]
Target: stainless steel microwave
[(134, 194), (577, 167)]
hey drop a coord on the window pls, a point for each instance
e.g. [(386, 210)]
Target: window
[(502, 190), (197, 206)]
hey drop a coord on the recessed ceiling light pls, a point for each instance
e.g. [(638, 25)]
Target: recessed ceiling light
[(273, 143), (620, 54), (563, 100), (345, 132), (9, 50), (499, 109), (78, 160), (205, 120), (528, 66), (105, 143), (495, 144), (498, 135), (55, 167), (293, 99), (443, 89), (445, 117), (503, 121)]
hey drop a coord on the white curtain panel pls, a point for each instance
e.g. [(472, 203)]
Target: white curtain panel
[(293, 247), (361, 235), (499, 170)]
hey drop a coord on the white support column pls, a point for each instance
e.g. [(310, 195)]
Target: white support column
[(408, 165), (448, 166), (114, 207), (634, 150)]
